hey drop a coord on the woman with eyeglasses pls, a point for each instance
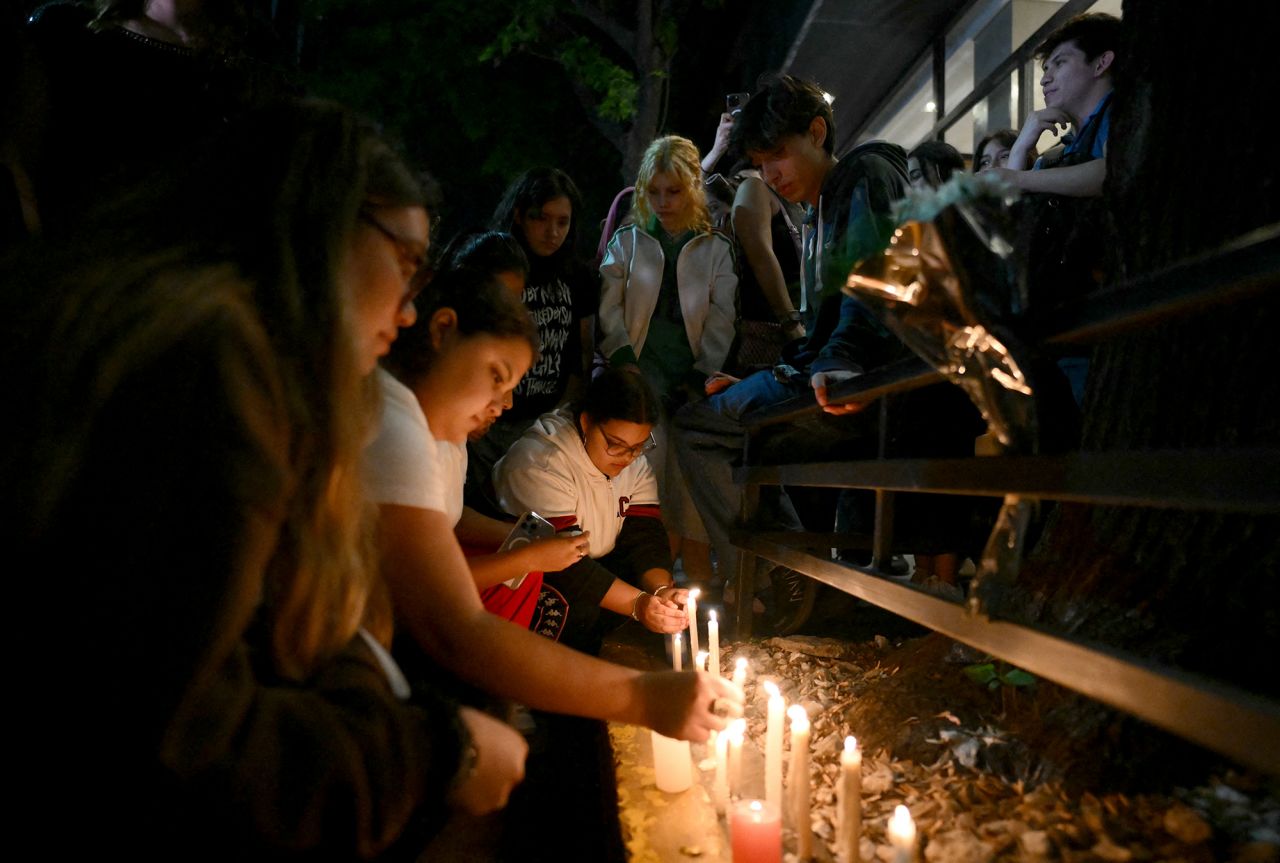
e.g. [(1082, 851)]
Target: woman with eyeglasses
[(450, 373), (582, 467)]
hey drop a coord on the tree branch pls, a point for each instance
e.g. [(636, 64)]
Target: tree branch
[(621, 36)]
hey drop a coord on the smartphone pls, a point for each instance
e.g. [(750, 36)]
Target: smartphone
[(529, 527), (734, 102)]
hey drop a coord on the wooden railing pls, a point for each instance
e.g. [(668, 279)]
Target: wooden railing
[(1222, 717)]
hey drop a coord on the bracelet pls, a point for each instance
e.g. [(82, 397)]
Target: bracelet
[(635, 604), (664, 587), (791, 317)]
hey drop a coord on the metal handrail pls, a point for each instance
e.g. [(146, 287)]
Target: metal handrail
[(1244, 266)]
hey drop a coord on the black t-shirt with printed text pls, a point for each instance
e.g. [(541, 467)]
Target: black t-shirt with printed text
[(558, 299)]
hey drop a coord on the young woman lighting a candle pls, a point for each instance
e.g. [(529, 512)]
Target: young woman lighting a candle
[(471, 345), (583, 467)]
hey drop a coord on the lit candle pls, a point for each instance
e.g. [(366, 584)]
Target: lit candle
[(849, 797), (736, 731), (721, 786), (773, 746), (901, 833), (700, 661), (755, 832), (798, 777), (691, 606), (672, 764), (713, 641), (677, 648), (740, 672)]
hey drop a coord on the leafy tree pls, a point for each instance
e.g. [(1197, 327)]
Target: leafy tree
[(618, 56)]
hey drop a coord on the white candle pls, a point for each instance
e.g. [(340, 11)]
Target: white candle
[(677, 660), (849, 797), (740, 672), (691, 606), (798, 779), (721, 786), (713, 641), (672, 764), (773, 746), (736, 731), (700, 661), (901, 833)]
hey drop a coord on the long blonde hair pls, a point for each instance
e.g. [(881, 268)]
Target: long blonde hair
[(312, 168), (679, 157)]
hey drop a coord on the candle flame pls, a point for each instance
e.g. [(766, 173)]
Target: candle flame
[(901, 828), (772, 688), (695, 593), (756, 806), (677, 638), (701, 658), (741, 664), (737, 730), (851, 744), (711, 615), (797, 713)]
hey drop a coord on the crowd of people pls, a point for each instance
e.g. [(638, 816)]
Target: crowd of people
[(274, 447)]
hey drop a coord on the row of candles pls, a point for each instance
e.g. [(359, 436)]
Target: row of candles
[(756, 825)]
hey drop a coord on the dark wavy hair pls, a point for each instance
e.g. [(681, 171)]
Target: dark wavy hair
[(620, 394), (490, 252), (483, 305), (1093, 33), (938, 159), (1004, 137), (783, 105), (530, 191)]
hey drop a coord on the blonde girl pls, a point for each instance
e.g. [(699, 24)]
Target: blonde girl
[(667, 303)]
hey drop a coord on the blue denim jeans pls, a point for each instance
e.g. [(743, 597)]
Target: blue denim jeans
[(709, 437)]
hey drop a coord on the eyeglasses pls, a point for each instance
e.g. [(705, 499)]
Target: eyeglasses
[(618, 448), (412, 261)]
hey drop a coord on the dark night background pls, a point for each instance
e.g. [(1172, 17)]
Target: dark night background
[(475, 124)]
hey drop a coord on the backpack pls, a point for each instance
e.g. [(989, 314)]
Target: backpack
[(619, 210)]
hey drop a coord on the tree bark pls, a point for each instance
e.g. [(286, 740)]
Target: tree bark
[(1188, 169)]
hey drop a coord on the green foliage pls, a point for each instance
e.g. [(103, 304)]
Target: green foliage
[(993, 674), (529, 29), (529, 20), (616, 86)]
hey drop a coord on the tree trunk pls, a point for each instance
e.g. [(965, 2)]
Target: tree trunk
[(1188, 169)]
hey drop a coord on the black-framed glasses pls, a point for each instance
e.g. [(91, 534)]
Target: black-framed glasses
[(412, 261), (617, 448)]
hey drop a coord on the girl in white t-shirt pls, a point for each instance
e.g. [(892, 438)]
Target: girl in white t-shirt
[(471, 344)]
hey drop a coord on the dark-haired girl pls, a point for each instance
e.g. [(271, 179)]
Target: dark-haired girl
[(456, 368), (582, 468), (540, 209)]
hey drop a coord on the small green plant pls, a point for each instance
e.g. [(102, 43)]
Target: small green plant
[(996, 672)]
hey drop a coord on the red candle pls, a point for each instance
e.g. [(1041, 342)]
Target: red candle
[(756, 832)]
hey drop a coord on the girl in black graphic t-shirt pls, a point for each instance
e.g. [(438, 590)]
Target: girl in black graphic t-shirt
[(540, 209)]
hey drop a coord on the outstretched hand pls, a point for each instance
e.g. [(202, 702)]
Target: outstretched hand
[(554, 553), (822, 381), (661, 614), (689, 705)]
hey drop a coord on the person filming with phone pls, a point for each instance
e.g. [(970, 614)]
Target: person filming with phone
[(583, 468)]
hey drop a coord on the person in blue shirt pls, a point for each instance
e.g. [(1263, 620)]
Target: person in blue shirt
[(1079, 61)]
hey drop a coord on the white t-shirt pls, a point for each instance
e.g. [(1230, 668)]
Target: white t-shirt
[(405, 464)]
